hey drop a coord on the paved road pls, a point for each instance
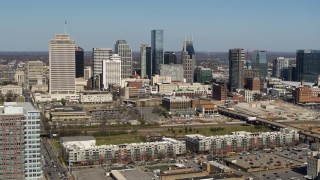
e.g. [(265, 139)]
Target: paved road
[(51, 165)]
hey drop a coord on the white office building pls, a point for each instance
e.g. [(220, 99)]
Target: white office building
[(62, 65), (111, 73)]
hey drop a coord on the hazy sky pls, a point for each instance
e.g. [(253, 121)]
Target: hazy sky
[(217, 25)]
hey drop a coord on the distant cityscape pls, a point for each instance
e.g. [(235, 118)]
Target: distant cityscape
[(112, 113)]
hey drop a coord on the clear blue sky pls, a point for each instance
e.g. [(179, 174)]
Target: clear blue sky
[(217, 25)]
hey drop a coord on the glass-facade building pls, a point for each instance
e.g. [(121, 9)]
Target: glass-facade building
[(308, 65), (170, 57), (260, 62), (145, 61), (157, 50), (79, 62), (125, 52)]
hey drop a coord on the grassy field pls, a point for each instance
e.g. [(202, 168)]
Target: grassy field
[(119, 139), (136, 137)]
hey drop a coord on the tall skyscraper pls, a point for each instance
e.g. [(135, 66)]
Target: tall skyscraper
[(79, 62), (100, 54), (111, 74), (280, 68), (236, 69), (157, 50), (260, 62), (308, 65), (62, 65), (170, 57), (145, 61), (188, 61), (122, 48), (20, 142)]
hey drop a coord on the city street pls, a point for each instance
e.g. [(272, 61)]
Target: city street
[(52, 168)]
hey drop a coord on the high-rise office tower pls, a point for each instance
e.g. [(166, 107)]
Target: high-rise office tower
[(62, 65), (188, 61), (122, 48), (111, 74), (260, 62), (100, 54), (236, 69), (308, 65), (145, 61), (157, 50), (20, 142), (280, 67), (79, 62), (170, 57), (34, 73)]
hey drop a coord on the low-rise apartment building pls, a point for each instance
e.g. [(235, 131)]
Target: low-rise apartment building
[(240, 141), (83, 150)]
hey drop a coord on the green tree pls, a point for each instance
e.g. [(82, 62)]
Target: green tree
[(9, 96), (186, 130), (63, 101), (190, 129)]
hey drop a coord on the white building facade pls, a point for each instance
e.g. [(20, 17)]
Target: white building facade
[(111, 73)]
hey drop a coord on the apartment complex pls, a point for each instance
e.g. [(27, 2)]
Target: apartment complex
[(240, 141), (20, 145), (83, 150)]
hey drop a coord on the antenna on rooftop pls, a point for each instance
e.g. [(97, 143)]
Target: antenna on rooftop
[(185, 42), (65, 27)]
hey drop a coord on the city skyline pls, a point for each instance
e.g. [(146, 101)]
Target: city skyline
[(216, 25)]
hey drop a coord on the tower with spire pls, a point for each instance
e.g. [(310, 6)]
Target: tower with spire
[(188, 60)]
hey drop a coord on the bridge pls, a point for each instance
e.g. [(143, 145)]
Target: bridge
[(305, 136)]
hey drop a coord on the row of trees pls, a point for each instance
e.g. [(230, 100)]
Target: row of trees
[(9, 97)]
